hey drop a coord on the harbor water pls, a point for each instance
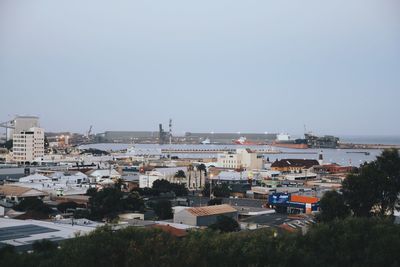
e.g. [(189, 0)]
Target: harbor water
[(352, 157)]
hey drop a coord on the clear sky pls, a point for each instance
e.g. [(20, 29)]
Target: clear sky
[(211, 65)]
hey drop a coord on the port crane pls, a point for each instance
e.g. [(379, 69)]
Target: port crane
[(89, 132), (7, 124)]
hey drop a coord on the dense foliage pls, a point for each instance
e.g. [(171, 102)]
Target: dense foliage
[(225, 224), (350, 242), (33, 204), (333, 207), (218, 190), (375, 189), (371, 192), (163, 209), (109, 202), (163, 187)]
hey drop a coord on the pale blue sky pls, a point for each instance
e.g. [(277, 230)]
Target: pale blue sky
[(226, 65)]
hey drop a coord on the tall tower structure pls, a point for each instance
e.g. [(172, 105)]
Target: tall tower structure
[(19, 124), (321, 158)]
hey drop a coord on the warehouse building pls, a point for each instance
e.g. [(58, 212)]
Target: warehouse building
[(204, 216), (129, 136)]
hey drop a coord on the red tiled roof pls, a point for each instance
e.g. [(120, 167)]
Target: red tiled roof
[(171, 230)]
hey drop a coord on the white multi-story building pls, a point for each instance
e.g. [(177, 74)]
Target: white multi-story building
[(243, 158), (28, 145)]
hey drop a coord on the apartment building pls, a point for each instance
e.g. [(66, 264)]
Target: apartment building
[(28, 145)]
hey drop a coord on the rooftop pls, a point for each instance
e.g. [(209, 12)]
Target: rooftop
[(19, 191), (23, 233), (307, 163), (211, 210)]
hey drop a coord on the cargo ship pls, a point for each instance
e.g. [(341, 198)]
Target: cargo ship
[(310, 141), (285, 140), (243, 141)]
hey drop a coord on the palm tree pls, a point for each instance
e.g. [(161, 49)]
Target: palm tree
[(201, 168)]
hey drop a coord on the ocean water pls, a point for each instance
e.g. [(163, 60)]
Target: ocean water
[(371, 139), (351, 157)]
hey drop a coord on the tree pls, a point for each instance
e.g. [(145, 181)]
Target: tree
[(388, 164), (46, 143), (218, 190), (348, 242), (180, 175), (375, 189), (44, 246), (360, 191), (214, 201), (163, 209), (33, 204), (106, 203), (8, 144), (225, 224), (222, 190), (133, 202), (332, 207), (163, 186)]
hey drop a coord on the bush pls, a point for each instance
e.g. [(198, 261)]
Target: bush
[(163, 209), (225, 224), (44, 246)]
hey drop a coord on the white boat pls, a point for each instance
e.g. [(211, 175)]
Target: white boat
[(206, 142)]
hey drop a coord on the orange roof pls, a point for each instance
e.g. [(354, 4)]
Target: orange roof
[(171, 230), (211, 210), (304, 199)]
